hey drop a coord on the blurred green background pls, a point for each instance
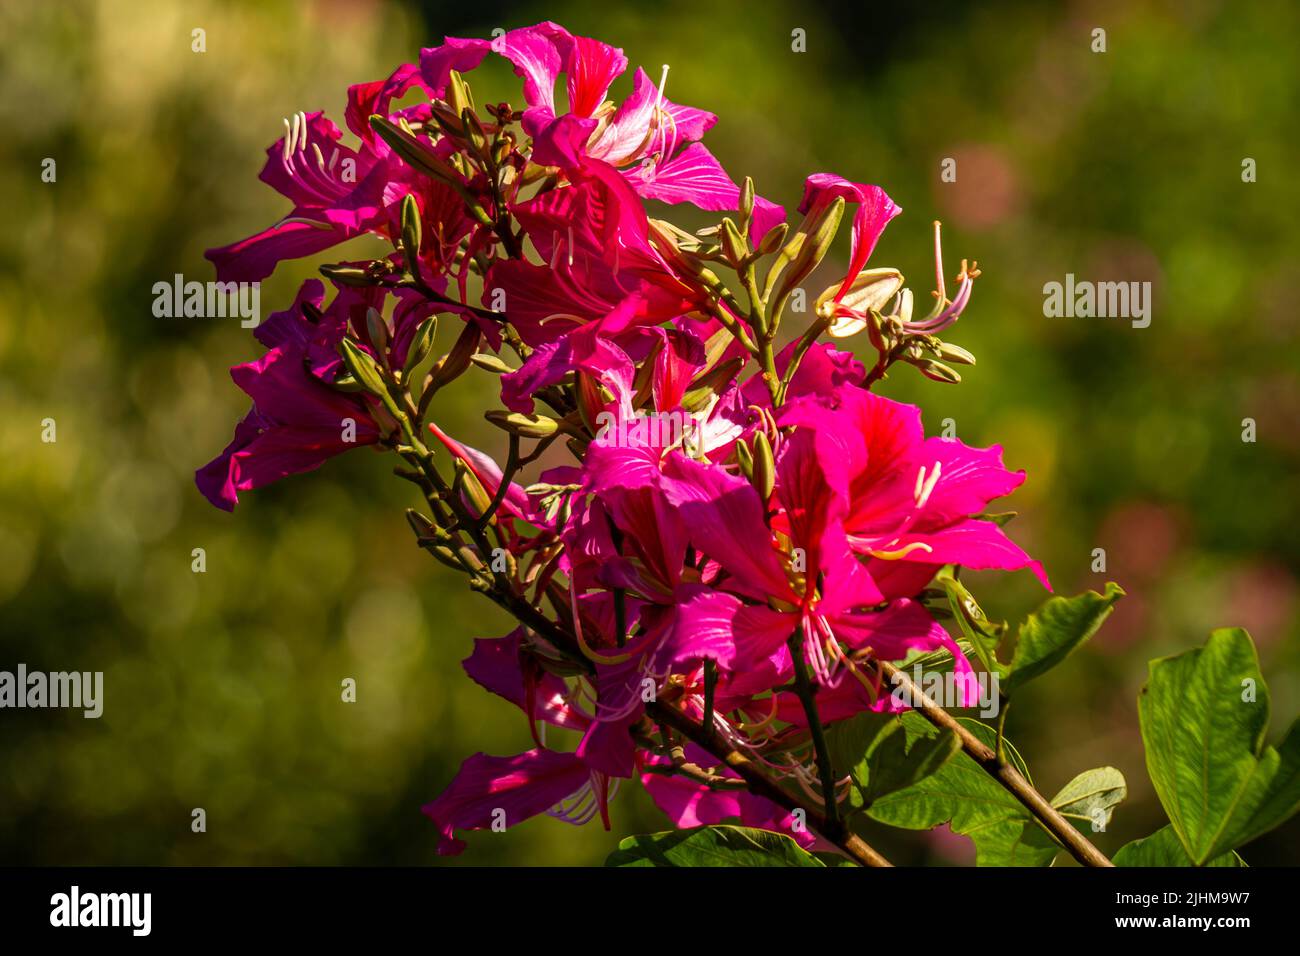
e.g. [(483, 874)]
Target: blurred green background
[(223, 688)]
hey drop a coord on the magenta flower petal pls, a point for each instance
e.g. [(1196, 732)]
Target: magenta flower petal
[(592, 66), (436, 63), (519, 787), (725, 517), (692, 176), (255, 258), (875, 209), (496, 666)]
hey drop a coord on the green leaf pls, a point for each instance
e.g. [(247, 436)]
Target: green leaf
[(880, 757), (1054, 630), (835, 859), (1092, 796), (1163, 848), (1204, 716), (960, 792), (712, 846)]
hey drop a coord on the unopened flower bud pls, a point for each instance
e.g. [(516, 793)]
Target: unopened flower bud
[(774, 238), (454, 363), (346, 275), (745, 458), (459, 97), (764, 473), (424, 529), (526, 426), (802, 254), (747, 201), (955, 354), (421, 345), (410, 230), (472, 488), (363, 367), (733, 244), (490, 363), (936, 371), (378, 330)]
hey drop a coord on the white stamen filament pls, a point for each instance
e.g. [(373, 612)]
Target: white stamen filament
[(924, 490), (663, 82)]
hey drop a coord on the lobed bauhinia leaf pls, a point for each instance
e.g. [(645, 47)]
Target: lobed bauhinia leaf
[(1204, 716)]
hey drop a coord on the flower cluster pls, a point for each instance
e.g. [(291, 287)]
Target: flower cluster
[(741, 529)]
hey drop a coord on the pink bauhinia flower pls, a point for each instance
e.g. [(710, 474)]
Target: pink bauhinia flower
[(489, 790), (298, 420), (913, 502), (654, 142), (730, 503), (339, 192)]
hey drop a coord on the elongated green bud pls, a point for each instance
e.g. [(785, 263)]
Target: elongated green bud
[(936, 371), (474, 130), (711, 383), (363, 367), (421, 346), (415, 153), (347, 275), (746, 202), (490, 363), (459, 97), (774, 238), (955, 354), (378, 330), (805, 251), (526, 426), (411, 231), (745, 458), (472, 488), (764, 477), (733, 244), (454, 363), (424, 528)]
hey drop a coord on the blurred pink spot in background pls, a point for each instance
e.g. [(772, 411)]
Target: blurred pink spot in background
[(951, 847), (1140, 539), (1261, 597), (987, 190)]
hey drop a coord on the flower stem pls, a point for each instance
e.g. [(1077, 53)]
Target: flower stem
[(808, 697), (1003, 772), (761, 785)]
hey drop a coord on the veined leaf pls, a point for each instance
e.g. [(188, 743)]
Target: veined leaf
[(712, 846), (1059, 626), (961, 793), (1163, 848), (881, 757), (1092, 796), (1204, 715)]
